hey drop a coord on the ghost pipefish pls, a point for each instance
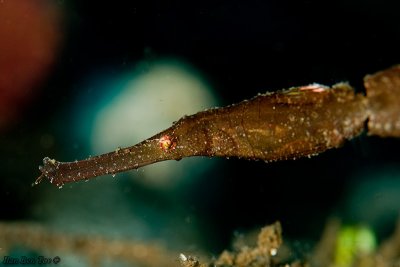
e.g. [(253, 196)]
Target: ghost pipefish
[(301, 121)]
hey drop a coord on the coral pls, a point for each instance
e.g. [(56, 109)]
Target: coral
[(95, 249), (268, 250), (268, 242), (324, 254)]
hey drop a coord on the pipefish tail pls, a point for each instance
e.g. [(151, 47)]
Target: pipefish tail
[(297, 122)]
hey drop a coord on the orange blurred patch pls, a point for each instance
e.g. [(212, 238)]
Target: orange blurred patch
[(29, 36)]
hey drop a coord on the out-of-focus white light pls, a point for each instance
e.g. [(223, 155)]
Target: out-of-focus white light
[(149, 103)]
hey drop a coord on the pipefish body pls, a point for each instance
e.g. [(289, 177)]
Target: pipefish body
[(297, 122)]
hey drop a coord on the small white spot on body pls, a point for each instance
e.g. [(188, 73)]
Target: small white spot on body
[(182, 257), (315, 87)]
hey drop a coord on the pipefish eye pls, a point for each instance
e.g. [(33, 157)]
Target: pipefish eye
[(166, 143)]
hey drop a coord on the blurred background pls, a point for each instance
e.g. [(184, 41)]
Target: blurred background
[(79, 78)]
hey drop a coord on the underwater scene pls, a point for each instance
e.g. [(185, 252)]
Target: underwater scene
[(199, 134)]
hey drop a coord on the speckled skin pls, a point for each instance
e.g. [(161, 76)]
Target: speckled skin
[(383, 92), (298, 122), (288, 124)]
